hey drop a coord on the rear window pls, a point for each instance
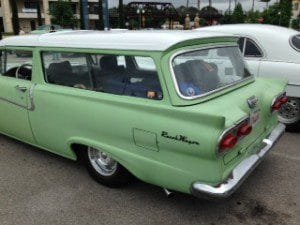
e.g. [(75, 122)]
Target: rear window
[(295, 42), (200, 72)]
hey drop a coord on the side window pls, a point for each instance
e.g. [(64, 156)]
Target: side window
[(113, 74), (17, 63), (67, 69), (241, 42), (145, 63), (251, 49)]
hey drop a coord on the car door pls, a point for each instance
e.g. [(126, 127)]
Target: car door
[(15, 84), (252, 54)]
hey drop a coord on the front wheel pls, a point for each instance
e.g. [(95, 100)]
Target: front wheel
[(105, 169), (290, 114)]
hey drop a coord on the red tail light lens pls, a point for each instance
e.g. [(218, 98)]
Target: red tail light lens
[(244, 130), (228, 142), (230, 138), (279, 102)]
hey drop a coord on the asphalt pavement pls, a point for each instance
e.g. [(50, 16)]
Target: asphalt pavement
[(39, 188)]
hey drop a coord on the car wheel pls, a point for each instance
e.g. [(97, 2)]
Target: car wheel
[(289, 114), (105, 169)]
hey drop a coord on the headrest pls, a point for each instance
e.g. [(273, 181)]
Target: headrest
[(109, 62)]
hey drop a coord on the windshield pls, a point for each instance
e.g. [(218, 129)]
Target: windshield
[(202, 71)]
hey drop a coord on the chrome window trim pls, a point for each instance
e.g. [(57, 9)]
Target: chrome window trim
[(251, 77), (291, 42)]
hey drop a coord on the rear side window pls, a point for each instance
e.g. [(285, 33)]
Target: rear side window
[(251, 49), (113, 74), (295, 42)]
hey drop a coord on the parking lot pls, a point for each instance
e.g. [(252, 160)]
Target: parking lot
[(37, 187)]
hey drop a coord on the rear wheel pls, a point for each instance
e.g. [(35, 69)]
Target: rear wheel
[(104, 169), (290, 114)]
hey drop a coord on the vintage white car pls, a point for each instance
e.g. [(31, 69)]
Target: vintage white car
[(271, 51)]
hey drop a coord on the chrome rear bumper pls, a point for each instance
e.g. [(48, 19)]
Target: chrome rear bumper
[(240, 172)]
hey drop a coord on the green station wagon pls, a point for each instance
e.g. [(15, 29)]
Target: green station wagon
[(175, 109)]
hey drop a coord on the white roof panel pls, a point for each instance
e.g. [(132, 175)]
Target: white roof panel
[(159, 40)]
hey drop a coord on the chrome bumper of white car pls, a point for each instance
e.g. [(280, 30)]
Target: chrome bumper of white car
[(241, 172)]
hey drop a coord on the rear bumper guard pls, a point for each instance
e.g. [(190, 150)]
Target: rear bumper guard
[(241, 171)]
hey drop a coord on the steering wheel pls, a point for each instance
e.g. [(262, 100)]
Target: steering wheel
[(26, 65)]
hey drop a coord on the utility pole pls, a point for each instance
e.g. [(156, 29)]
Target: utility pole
[(100, 15), (187, 3), (105, 14), (253, 5), (39, 14), (198, 4), (85, 14), (121, 14)]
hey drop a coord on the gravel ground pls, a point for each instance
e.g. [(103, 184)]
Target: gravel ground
[(40, 188)]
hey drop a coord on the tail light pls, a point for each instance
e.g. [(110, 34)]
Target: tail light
[(278, 102), (231, 137)]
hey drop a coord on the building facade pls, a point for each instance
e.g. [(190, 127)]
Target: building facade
[(27, 12), (296, 9)]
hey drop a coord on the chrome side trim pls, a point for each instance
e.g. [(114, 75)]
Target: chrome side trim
[(241, 171), (31, 98), (31, 106), (251, 77)]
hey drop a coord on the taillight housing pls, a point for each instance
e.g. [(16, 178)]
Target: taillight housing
[(230, 138), (278, 102)]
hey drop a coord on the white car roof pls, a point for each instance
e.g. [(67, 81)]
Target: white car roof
[(123, 40), (251, 29), (273, 40)]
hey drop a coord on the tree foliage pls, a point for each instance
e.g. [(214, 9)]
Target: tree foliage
[(279, 13), (62, 14), (253, 17), (238, 14)]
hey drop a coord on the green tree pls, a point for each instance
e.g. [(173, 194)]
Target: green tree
[(296, 24), (238, 14), (15, 17), (227, 18), (62, 14), (279, 13), (253, 17)]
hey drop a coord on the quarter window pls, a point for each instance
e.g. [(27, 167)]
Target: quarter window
[(18, 64), (113, 74), (251, 49), (295, 42)]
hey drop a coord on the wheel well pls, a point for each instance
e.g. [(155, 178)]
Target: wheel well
[(78, 150)]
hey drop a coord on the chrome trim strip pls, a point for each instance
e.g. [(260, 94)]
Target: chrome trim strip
[(241, 171), (251, 77), (31, 107)]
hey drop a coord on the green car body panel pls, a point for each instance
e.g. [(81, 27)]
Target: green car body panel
[(140, 133)]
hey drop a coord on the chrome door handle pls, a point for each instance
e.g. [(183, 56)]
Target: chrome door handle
[(21, 88)]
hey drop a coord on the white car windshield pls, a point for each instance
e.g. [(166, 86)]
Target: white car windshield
[(202, 71)]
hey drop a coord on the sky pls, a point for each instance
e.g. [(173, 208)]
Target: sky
[(219, 4)]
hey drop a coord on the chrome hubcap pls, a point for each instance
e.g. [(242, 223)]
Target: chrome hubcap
[(101, 162), (290, 112)]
